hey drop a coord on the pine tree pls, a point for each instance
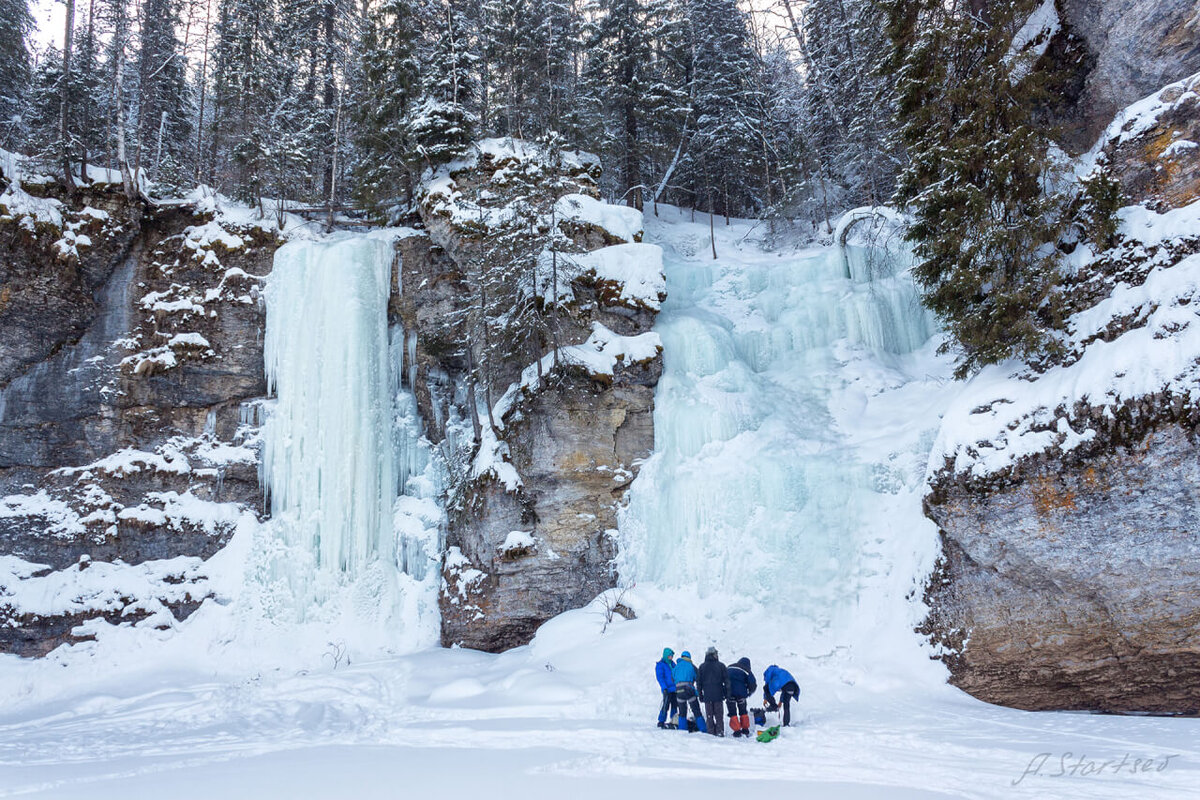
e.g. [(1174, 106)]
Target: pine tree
[(242, 76), (620, 50), (797, 172), (725, 159), (16, 25), (666, 104), (848, 100), (985, 223), (65, 145), (313, 40), (390, 85), (118, 119), (165, 107), (559, 39), (89, 93), (513, 57), (441, 125), (43, 106)]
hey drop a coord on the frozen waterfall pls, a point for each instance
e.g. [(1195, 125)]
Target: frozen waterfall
[(351, 485), (760, 485)]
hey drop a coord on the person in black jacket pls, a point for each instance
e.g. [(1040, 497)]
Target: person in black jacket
[(741, 686), (712, 679)]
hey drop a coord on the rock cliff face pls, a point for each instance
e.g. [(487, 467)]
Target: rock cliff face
[(1155, 150), (1068, 505), (1076, 587), (1119, 51), (129, 342), (531, 513)]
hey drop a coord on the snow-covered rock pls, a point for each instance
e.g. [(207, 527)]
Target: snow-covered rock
[(580, 398), (126, 352), (1065, 491)]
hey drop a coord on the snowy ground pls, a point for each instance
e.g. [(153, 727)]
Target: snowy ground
[(227, 705), (530, 723)]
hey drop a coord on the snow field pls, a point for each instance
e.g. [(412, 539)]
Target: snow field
[(191, 716)]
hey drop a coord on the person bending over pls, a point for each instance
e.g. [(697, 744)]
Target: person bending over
[(685, 693), (778, 679)]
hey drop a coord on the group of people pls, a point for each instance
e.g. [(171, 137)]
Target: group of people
[(720, 689)]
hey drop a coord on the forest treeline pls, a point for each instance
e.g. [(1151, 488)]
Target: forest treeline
[(793, 109), (698, 102)]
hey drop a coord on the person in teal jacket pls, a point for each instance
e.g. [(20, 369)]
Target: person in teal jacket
[(664, 671), (685, 693), (778, 679)]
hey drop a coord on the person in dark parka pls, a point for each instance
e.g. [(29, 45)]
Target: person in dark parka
[(664, 672), (712, 680), (777, 679), (741, 686)]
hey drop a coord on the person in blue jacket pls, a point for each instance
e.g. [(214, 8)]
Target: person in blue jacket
[(685, 693), (664, 671), (741, 686), (778, 679)]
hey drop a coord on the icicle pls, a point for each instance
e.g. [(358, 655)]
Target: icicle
[(412, 360)]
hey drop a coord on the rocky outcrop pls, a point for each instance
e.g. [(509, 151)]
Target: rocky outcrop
[(577, 448), (1139, 45), (1154, 147), (47, 283), (1112, 52), (131, 339), (532, 506), (1066, 494), (1076, 587)]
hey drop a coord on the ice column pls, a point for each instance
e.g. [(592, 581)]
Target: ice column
[(329, 461), (418, 515)]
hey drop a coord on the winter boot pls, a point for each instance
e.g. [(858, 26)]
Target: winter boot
[(662, 725), (735, 726), (745, 725), (692, 727)]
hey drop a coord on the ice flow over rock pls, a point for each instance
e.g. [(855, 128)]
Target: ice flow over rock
[(756, 489)]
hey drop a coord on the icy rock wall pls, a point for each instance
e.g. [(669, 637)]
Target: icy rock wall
[(129, 342)]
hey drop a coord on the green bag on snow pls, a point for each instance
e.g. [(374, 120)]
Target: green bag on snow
[(769, 735)]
